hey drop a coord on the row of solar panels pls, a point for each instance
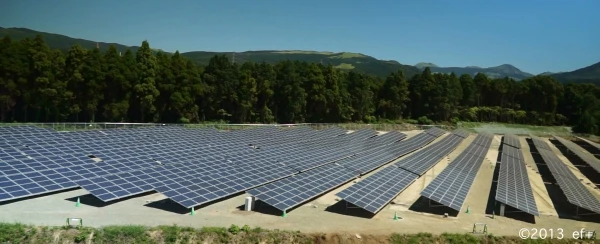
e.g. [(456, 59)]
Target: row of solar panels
[(287, 193), (586, 157), (67, 157), (514, 188), (452, 185), (377, 190), (77, 141), (37, 182), (113, 167), (593, 144), (576, 193), (216, 180)]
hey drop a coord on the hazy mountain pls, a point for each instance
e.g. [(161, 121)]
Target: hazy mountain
[(424, 65), (493, 72), (590, 74)]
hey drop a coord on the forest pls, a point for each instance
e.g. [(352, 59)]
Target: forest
[(40, 84)]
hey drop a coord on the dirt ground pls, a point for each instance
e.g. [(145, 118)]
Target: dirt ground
[(323, 214)]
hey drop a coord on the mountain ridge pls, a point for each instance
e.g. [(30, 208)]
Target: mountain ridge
[(342, 60), (499, 71)]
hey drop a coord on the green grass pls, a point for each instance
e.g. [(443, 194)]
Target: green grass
[(20, 233), (501, 128), (497, 128), (348, 55), (302, 52), (344, 66)]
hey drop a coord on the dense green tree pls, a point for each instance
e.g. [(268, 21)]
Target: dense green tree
[(145, 89), (39, 84), (393, 96)]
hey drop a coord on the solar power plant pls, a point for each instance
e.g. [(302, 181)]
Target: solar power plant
[(421, 161), (514, 188), (451, 187), (539, 143), (577, 150), (289, 192), (512, 140), (191, 165), (376, 191), (574, 190)]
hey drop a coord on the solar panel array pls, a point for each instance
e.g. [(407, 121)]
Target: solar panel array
[(374, 192), (289, 192), (512, 140), (539, 143), (586, 157), (574, 190), (191, 165), (514, 188), (451, 187), (594, 144), (435, 131), (461, 133), (377, 190), (421, 161), (220, 179)]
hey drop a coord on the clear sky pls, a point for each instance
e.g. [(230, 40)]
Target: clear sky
[(533, 35)]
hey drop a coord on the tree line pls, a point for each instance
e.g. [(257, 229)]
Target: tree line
[(40, 84)]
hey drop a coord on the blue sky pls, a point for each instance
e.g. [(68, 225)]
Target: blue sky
[(534, 35)]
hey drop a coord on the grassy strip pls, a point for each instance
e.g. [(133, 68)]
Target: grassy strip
[(515, 128), (20, 233)]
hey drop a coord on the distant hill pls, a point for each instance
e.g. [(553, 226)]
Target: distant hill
[(60, 41), (425, 65), (546, 73), (590, 74), (492, 72), (345, 60)]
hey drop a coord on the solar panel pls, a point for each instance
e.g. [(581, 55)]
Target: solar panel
[(23, 185), (512, 140), (594, 144), (483, 139), (512, 152), (207, 187), (539, 143), (451, 187), (374, 192), (574, 190), (460, 132), (366, 163), (434, 131), (514, 188), (578, 151), (289, 192), (477, 150), (421, 161)]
